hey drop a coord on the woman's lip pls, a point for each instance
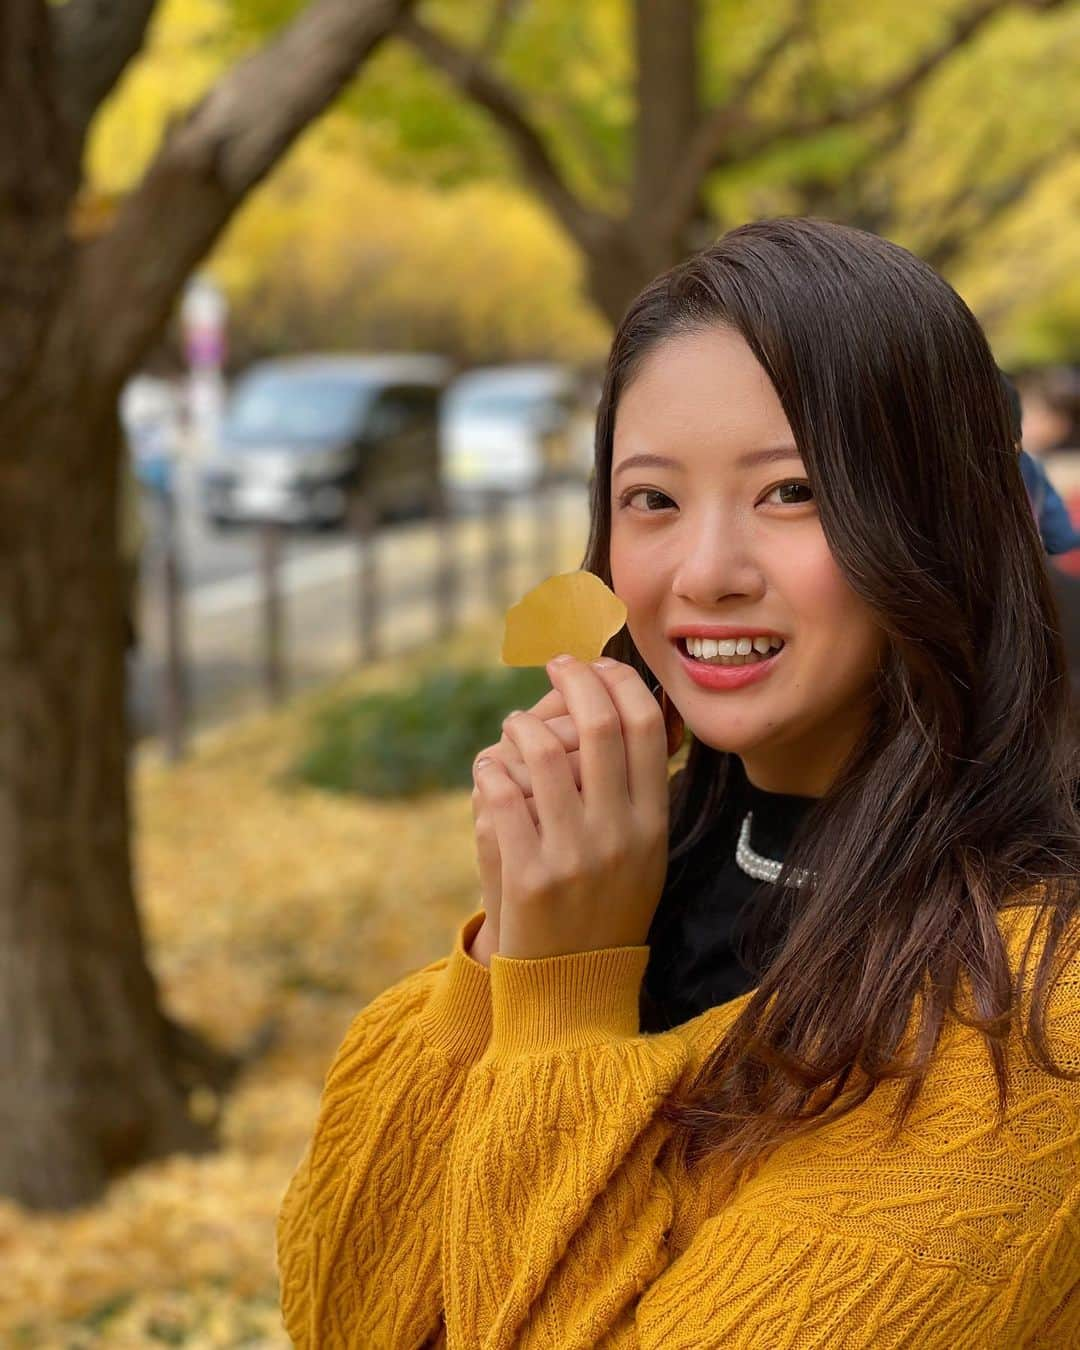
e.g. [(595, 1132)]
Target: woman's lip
[(721, 631), (727, 677)]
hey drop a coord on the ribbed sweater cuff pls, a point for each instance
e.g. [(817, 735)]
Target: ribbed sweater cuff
[(564, 1002), (457, 1018)]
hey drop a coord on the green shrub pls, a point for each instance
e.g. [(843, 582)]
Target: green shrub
[(400, 744)]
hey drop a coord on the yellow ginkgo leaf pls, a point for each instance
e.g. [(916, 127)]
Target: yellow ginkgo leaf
[(572, 612)]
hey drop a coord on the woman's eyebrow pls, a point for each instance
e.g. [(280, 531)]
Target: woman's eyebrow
[(766, 455)]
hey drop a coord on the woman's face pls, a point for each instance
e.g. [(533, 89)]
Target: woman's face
[(727, 535)]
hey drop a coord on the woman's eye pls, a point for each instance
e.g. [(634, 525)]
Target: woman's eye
[(628, 497), (787, 493)]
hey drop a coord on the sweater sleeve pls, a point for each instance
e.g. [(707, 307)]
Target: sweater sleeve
[(558, 1227), (358, 1231)]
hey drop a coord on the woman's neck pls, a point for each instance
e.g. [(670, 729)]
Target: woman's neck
[(789, 780)]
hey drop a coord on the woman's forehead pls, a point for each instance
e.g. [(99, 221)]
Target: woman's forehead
[(700, 393)]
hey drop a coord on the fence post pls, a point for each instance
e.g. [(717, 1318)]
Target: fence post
[(364, 522), (175, 699), (546, 526), (446, 578), (494, 500), (269, 532)]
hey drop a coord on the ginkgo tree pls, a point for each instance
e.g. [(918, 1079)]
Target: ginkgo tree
[(94, 1077), (647, 127)]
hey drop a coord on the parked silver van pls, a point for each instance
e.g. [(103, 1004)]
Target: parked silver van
[(301, 434), (508, 427)]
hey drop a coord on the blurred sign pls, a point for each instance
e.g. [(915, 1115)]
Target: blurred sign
[(203, 317), (203, 314)]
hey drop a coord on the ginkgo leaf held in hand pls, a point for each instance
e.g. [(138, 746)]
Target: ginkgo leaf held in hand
[(572, 612)]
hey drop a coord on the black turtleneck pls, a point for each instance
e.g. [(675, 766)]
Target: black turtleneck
[(699, 953)]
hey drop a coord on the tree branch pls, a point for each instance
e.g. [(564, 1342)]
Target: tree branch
[(208, 162), (959, 227), (94, 40), (502, 16), (767, 58), (729, 133), (480, 84)]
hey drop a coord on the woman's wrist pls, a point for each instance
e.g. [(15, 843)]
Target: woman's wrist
[(484, 945)]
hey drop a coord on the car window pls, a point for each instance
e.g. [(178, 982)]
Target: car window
[(294, 408)]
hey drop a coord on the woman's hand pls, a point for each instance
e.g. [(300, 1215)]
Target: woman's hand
[(586, 870), (551, 709)]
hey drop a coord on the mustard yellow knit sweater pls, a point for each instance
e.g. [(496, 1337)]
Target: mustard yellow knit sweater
[(487, 1171)]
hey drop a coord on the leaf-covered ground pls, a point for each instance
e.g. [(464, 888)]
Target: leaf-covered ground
[(264, 907)]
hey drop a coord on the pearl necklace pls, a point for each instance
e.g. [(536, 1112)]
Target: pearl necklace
[(759, 867)]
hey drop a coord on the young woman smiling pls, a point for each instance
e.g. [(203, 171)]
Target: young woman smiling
[(785, 1050)]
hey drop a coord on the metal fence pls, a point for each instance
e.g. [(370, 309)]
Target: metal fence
[(378, 590)]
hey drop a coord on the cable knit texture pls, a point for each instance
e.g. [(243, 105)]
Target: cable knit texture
[(487, 1170)]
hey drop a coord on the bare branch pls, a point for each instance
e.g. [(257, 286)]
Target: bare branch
[(503, 14), (208, 162), (966, 215), (762, 67), (94, 40), (729, 133), (480, 84)]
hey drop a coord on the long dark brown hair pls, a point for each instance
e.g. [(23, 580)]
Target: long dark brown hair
[(960, 800)]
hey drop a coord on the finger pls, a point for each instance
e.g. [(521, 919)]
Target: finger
[(644, 736), (514, 829), (604, 781), (488, 861), (510, 757), (554, 790), (551, 705), (563, 727), (507, 753), (518, 770)]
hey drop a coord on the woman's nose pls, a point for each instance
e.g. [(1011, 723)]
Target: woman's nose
[(718, 560)]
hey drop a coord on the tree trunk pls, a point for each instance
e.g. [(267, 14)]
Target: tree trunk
[(617, 271), (93, 1078), (632, 251), (666, 52)]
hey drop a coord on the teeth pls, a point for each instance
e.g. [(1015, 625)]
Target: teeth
[(734, 651)]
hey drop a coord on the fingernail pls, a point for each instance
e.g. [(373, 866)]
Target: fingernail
[(604, 663), (560, 660)]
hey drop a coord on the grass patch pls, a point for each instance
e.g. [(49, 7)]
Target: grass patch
[(421, 739)]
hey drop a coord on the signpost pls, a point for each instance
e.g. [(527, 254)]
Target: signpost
[(203, 317)]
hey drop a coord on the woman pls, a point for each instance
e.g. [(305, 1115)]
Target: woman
[(568, 1133)]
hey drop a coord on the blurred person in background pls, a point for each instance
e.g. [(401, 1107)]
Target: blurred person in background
[(1046, 425), (1056, 530)]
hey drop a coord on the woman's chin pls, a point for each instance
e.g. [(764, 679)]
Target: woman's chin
[(730, 743)]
